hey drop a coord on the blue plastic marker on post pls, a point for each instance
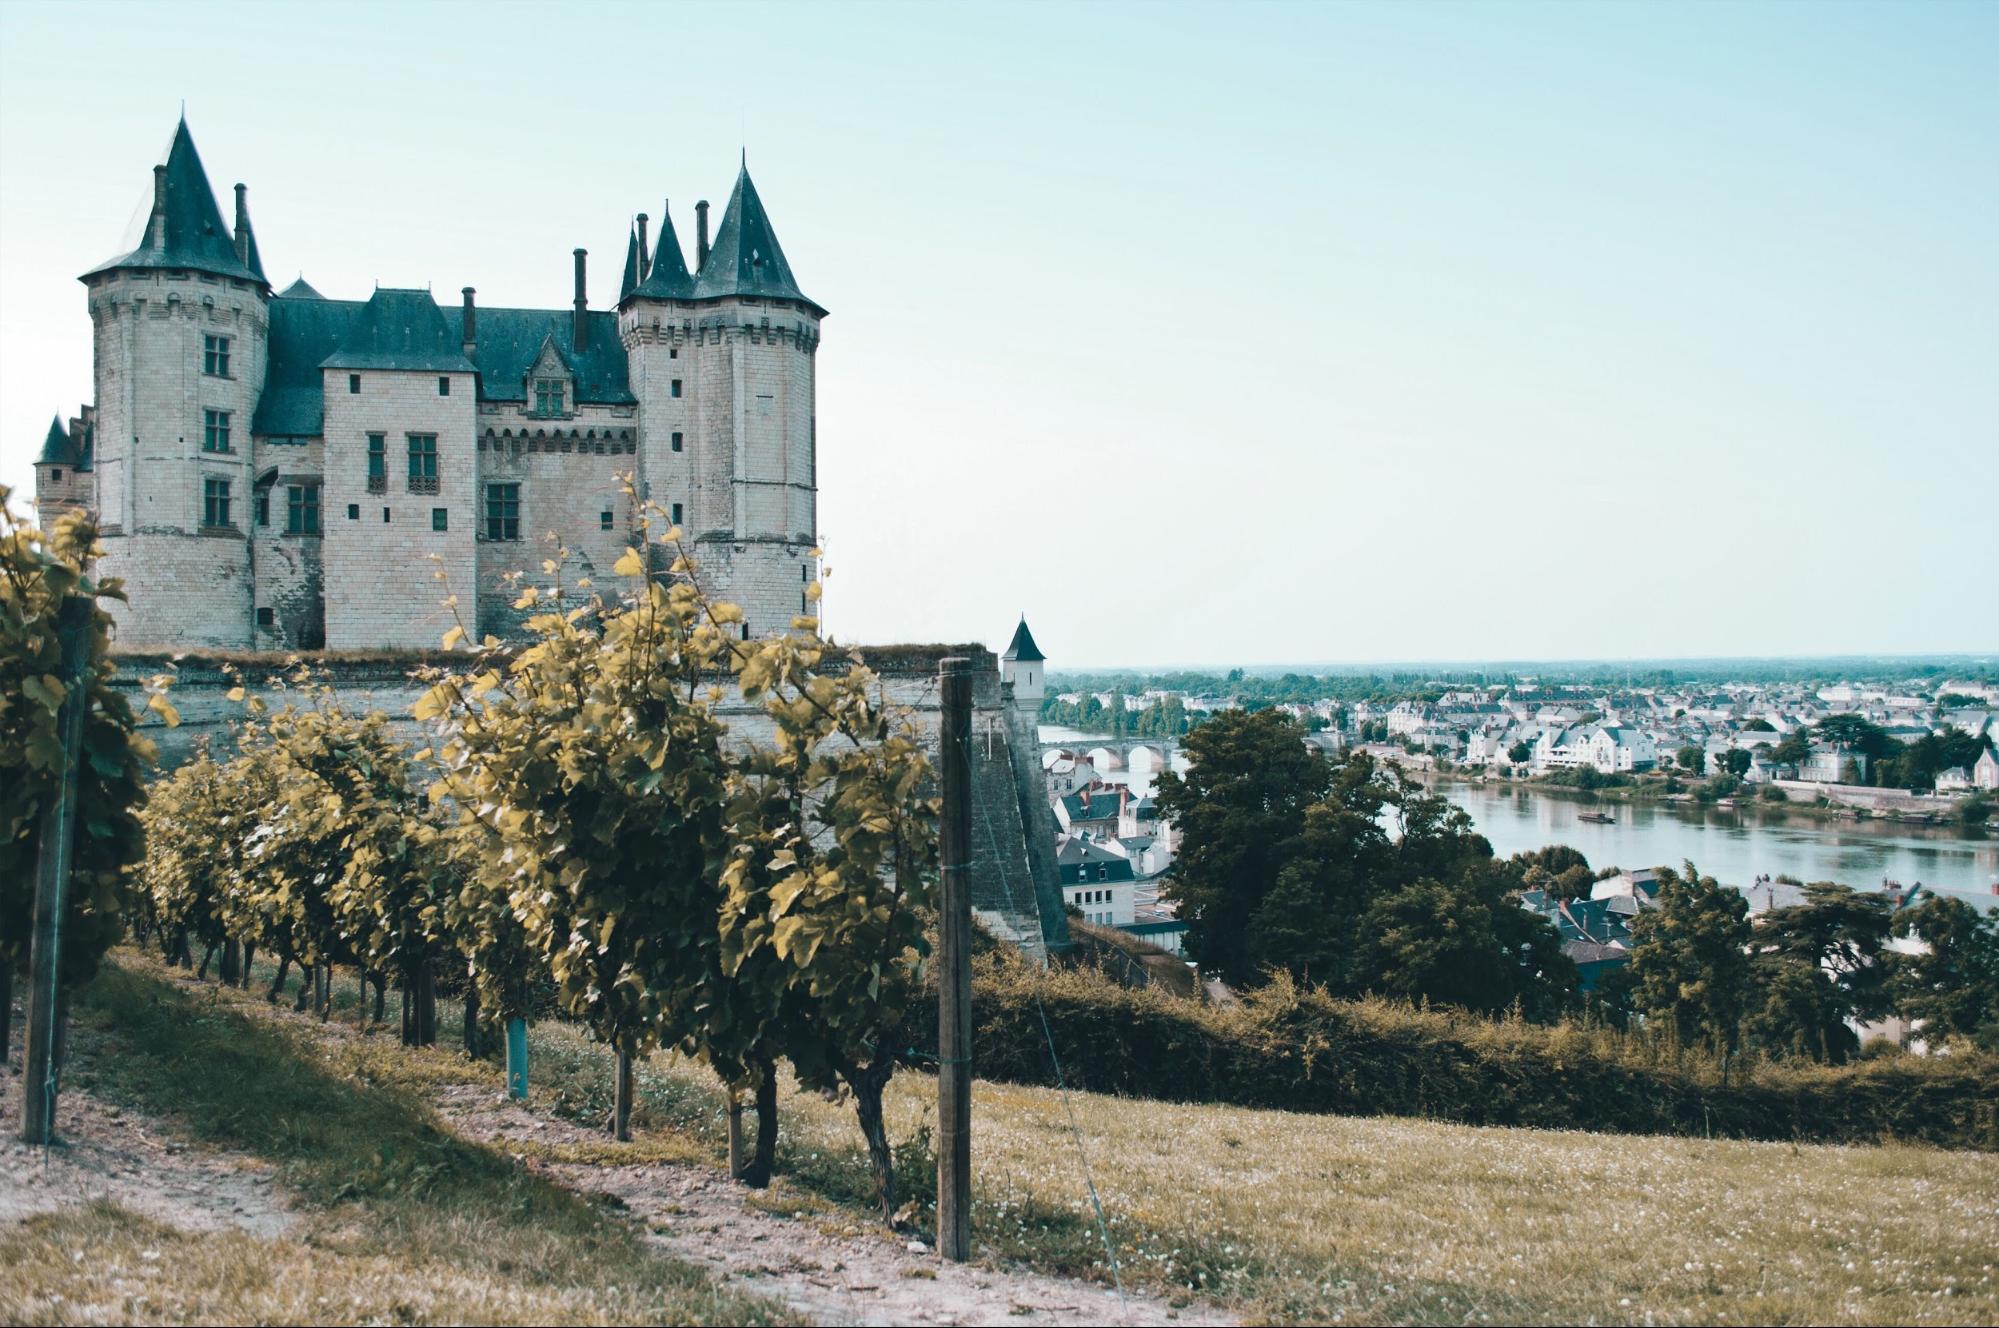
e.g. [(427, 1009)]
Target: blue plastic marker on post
[(517, 1059)]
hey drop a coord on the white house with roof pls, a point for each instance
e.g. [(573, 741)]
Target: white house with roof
[(1097, 880)]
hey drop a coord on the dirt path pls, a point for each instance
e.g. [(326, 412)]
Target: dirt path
[(834, 1273), (696, 1213), (108, 1153)]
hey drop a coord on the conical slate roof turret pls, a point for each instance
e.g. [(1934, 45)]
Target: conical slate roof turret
[(668, 279), (630, 282), (1022, 646), (57, 449), (185, 228), (746, 259), (300, 290)]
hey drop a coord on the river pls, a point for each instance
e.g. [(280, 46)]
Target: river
[(1732, 847)]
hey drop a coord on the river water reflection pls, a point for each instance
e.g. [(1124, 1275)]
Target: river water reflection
[(1732, 847)]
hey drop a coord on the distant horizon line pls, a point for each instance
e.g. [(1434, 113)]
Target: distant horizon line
[(1526, 664)]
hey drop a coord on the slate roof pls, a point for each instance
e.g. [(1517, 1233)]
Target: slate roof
[(400, 330), (300, 290), (307, 332), (196, 237), (630, 281), (668, 279), (1022, 646), (57, 448), (745, 258)]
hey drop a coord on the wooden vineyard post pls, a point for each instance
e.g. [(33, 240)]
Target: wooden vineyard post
[(472, 1020), (737, 1163), (621, 1099), (954, 968), (517, 1059), (56, 846)]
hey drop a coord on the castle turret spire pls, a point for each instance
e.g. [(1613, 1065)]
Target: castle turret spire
[(745, 258), (667, 279), (630, 281), (187, 230)]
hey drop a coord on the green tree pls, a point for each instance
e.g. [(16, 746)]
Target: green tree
[(1690, 758), (1238, 808), (1795, 749), (1736, 761), (1951, 988), (1520, 752), (37, 571), (1689, 964), (1818, 963)]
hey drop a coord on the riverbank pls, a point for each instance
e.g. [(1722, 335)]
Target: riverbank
[(1801, 800), (1734, 844)]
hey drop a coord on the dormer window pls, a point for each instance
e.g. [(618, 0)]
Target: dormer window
[(548, 396)]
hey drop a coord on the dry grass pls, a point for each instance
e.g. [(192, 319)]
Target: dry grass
[(401, 1222), (1341, 1219), (1308, 1218), (102, 1264)]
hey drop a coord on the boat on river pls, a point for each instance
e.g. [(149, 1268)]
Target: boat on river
[(1597, 818)]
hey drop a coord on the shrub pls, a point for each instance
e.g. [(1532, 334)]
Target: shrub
[(1288, 1047)]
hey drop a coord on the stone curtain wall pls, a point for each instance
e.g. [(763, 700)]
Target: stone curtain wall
[(1016, 891)]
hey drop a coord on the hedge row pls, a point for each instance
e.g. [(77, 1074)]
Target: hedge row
[(1297, 1050)]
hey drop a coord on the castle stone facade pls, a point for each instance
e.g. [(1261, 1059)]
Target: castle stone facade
[(279, 471)]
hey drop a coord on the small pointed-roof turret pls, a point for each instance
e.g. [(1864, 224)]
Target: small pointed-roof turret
[(186, 229), (745, 258), (1022, 646), (300, 290), (57, 448), (630, 281), (668, 279)]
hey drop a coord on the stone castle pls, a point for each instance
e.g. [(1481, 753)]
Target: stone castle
[(286, 471)]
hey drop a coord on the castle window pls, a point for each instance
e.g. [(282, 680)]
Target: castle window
[(215, 356), (378, 463), (354, 384), (214, 502), (440, 518), (55, 476), (676, 514), (676, 442), (263, 500), (385, 516), (215, 431), (267, 617), (353, 511), (548, 396), (673, 352), (443, 386), (676, 387), (604, 520), (423, 462), (302, 509), (503, 511)]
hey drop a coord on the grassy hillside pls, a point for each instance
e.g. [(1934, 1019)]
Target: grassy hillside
[(1293, 1217)]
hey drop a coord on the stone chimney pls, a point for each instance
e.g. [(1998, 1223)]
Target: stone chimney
[(471, 323), (579, 331), (243, 224), (645, 254), (701, 235), (157, 227)]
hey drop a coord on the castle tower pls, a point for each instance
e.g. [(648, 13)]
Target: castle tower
[(181, 325), (722, 364), (1023, 669)]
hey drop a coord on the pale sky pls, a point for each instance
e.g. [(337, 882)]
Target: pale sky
[(1203, 335)]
